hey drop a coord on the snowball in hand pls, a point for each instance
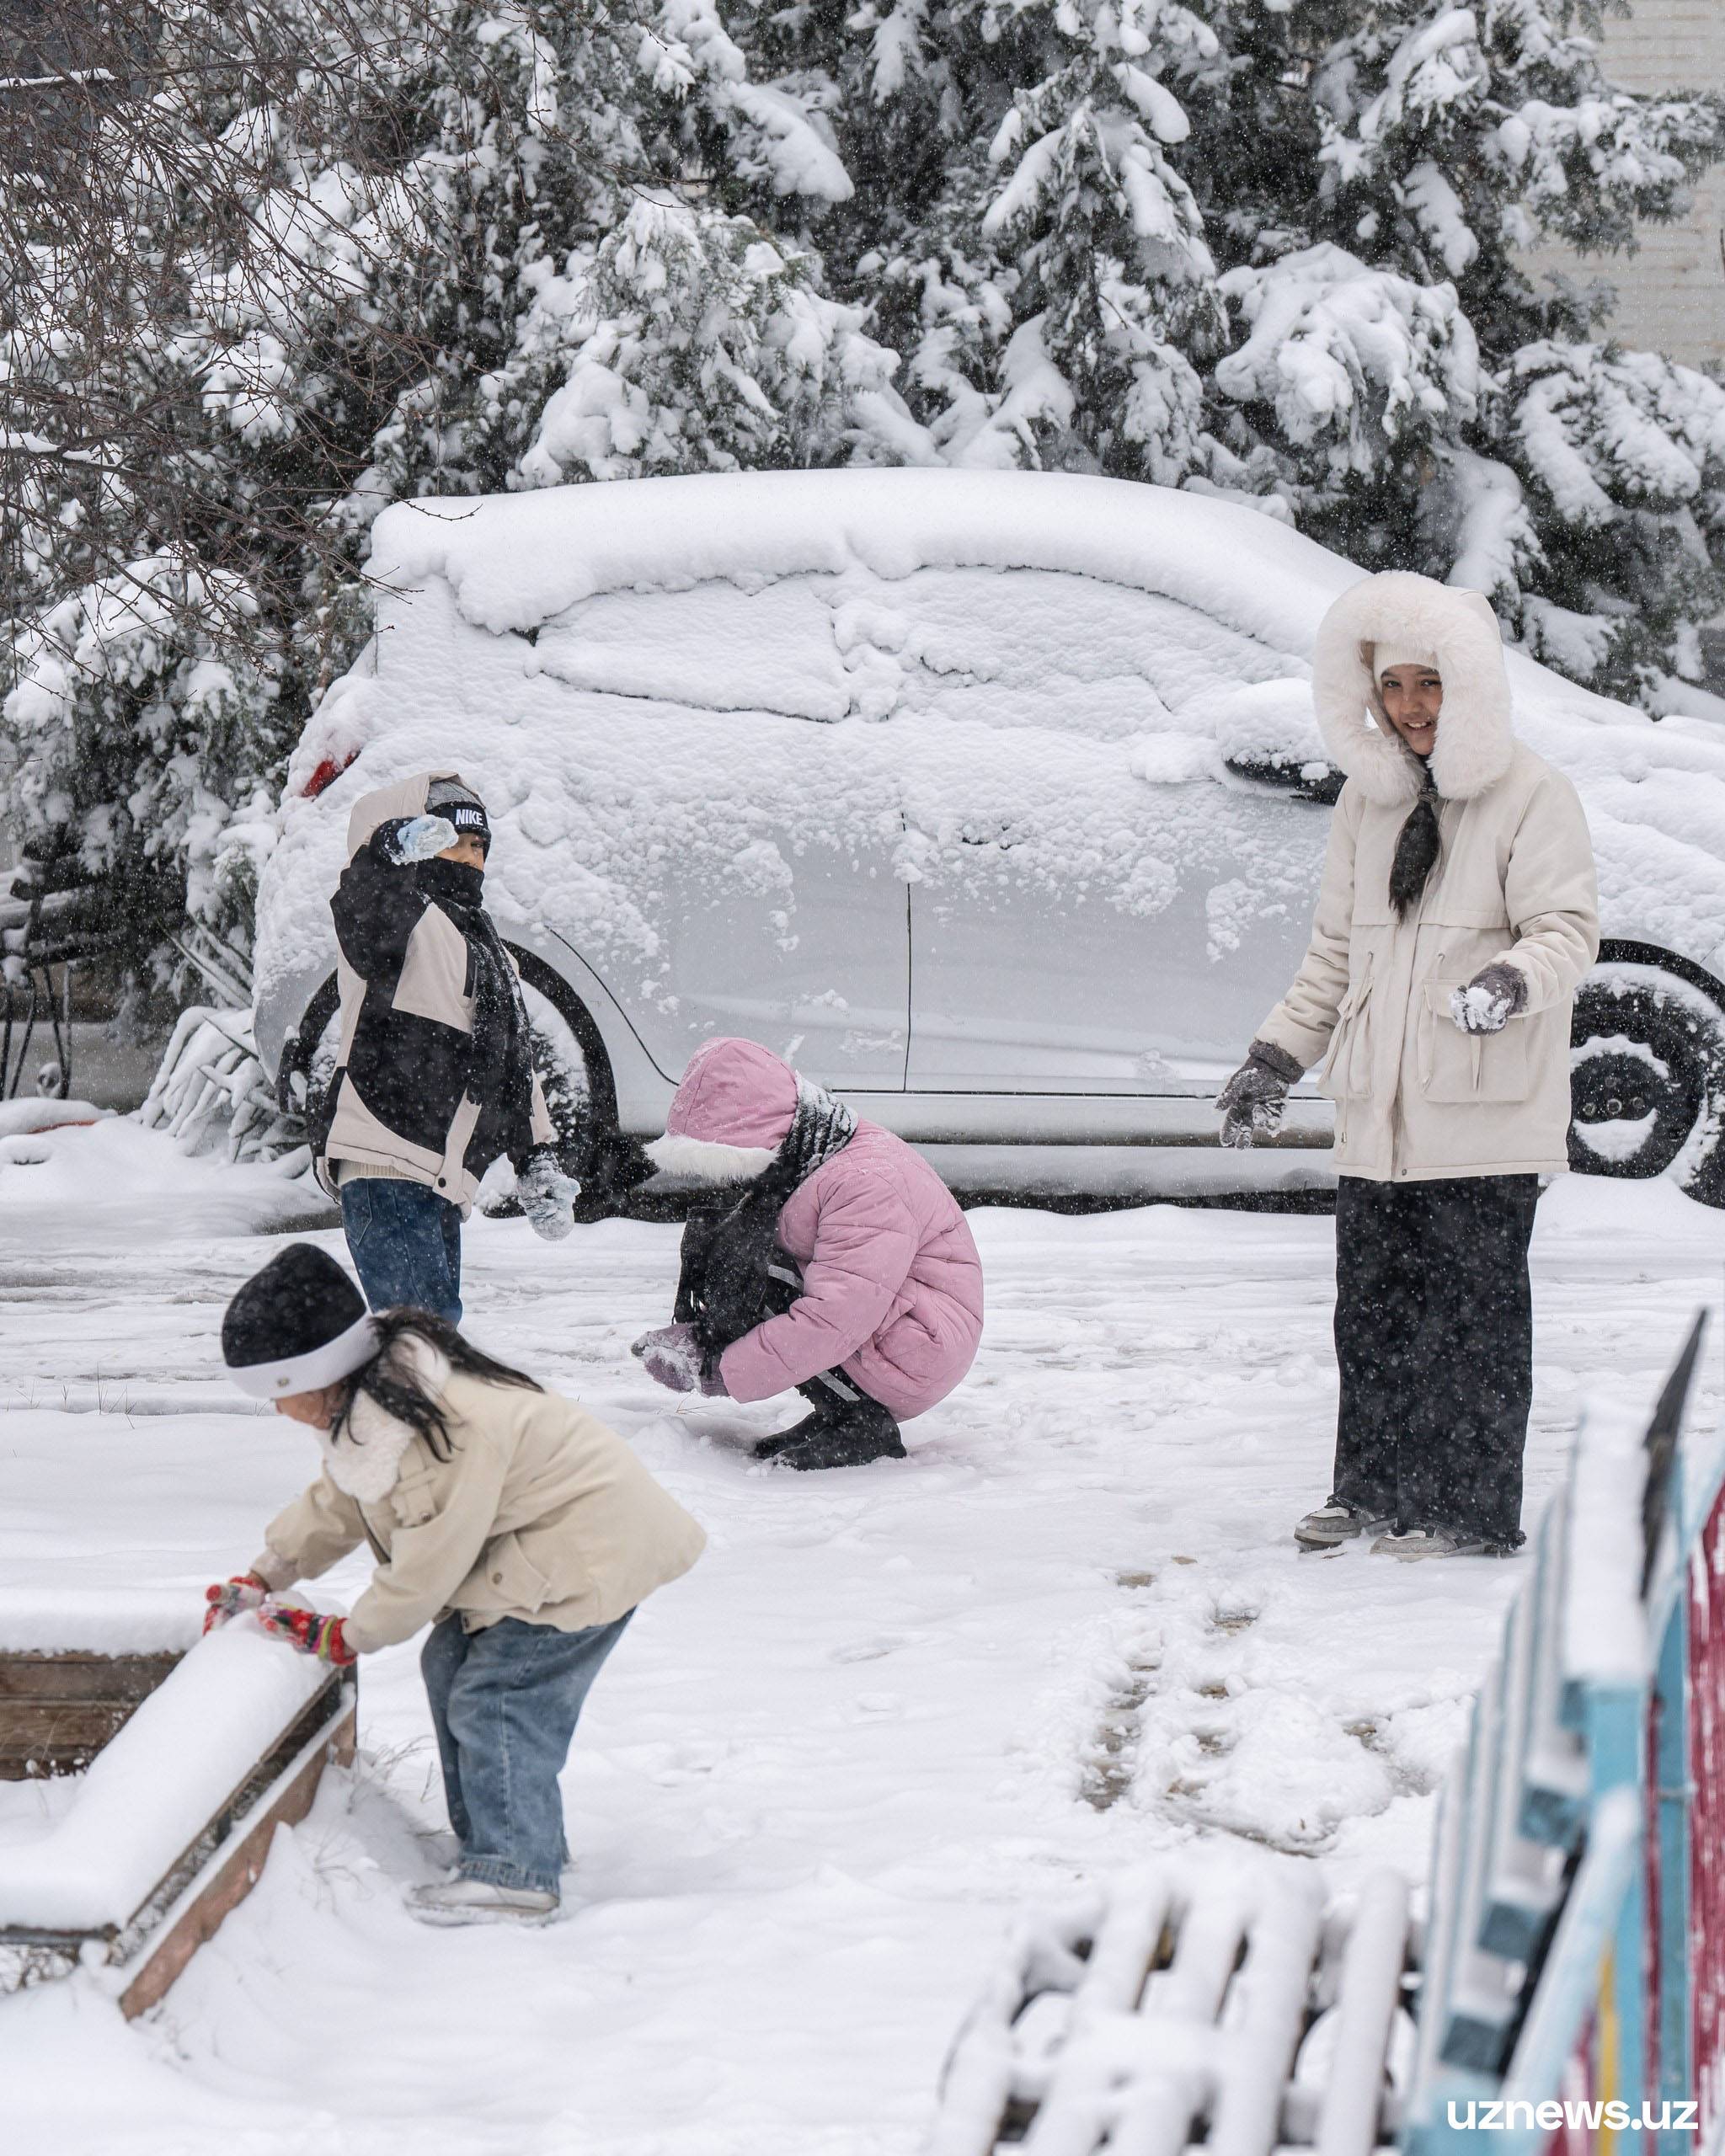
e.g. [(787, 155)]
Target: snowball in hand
[(422, 838), (1490, 1000)]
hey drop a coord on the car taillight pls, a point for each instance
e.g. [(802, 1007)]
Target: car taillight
[(327, 773)]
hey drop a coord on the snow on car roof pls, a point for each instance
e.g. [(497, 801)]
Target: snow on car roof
[(515, 561)]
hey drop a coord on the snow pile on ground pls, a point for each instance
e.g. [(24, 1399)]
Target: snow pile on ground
[(153, 1788), (26, 1125), (890, 1709), (114, 1170), (965, 682)]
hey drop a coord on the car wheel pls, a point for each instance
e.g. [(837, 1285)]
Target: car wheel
[(1647, 1080), (580, 1092)]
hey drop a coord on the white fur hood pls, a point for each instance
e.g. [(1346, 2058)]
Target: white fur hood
[(364, 1458), (1475, 737), (705, 1159)]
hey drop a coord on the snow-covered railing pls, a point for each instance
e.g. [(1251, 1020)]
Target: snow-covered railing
[(169, 1826), (1573, 1980), (1577, 1941)]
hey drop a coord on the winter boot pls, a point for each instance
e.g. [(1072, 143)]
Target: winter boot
[(1417, 1542), (771, 1448), (1334, 1524), (477, 1901), (847, 1436)]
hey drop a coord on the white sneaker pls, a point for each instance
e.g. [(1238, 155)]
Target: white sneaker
[(1415, 1543), (1335, 1523), (477, 1901)]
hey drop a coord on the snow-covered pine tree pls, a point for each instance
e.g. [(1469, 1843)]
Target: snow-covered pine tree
[(1373, 175), (1369, 176), (1021, 225)]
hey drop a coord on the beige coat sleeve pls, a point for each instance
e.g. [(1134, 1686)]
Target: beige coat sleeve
[(1551, 894), (316, 1530), (1302, 1022), (544, 1128), (429, 1561)]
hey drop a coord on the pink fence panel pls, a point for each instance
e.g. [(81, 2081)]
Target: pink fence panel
[(1707, 1776)]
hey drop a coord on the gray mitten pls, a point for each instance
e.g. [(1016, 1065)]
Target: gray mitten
[(548, 1196), (1253, 1098), (420, 838), (1496, 994)]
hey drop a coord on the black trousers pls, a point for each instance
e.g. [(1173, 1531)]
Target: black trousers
[(1435, 1343)]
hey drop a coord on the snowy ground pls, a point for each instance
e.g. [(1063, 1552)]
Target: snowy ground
[(888, 1706)]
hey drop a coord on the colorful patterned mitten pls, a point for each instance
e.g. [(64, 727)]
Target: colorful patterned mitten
[(307, 1632), (244, 1591)]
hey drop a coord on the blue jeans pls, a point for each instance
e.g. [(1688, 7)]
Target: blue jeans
[(505, 1703), (406, 1243)]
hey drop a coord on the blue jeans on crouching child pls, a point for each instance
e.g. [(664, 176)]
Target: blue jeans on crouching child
[(406, 1243), (505, 1703)]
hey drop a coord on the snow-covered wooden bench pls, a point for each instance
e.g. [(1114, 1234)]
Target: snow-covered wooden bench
[(197, 1750), (1575, 1946)]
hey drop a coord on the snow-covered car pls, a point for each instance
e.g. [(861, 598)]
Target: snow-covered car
[(995, 800)]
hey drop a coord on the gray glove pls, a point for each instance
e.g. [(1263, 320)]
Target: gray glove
[(420, 838), (1496, 994), (548, 1196), (1253, 1098)]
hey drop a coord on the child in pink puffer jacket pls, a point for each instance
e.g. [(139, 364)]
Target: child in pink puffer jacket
[(835, 1261)]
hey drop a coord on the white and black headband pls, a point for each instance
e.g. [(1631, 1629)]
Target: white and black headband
[(297, 1326)]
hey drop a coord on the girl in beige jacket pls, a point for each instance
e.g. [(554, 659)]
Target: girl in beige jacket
[(1457, 914), (520, 1530)]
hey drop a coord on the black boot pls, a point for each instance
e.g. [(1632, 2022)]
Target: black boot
[(849, 1433), (771, 1448)]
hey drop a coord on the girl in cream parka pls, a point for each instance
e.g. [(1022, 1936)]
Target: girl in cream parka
[(521, 1531), (1457, 914)]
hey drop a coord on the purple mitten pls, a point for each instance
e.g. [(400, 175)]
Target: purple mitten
[(673, 1358)]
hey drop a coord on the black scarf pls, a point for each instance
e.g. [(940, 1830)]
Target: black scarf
[(821, 1126), (500, 1060), (735, 1273), (1416, 848)]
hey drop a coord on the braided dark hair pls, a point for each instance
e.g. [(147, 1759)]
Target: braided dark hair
[(389, 1381), (1416, 849)]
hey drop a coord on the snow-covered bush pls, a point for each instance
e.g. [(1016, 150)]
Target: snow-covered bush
[(211, 1093), (150, 749)]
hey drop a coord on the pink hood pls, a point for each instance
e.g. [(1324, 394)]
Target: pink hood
[(730, 1115), (892, 1284)]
